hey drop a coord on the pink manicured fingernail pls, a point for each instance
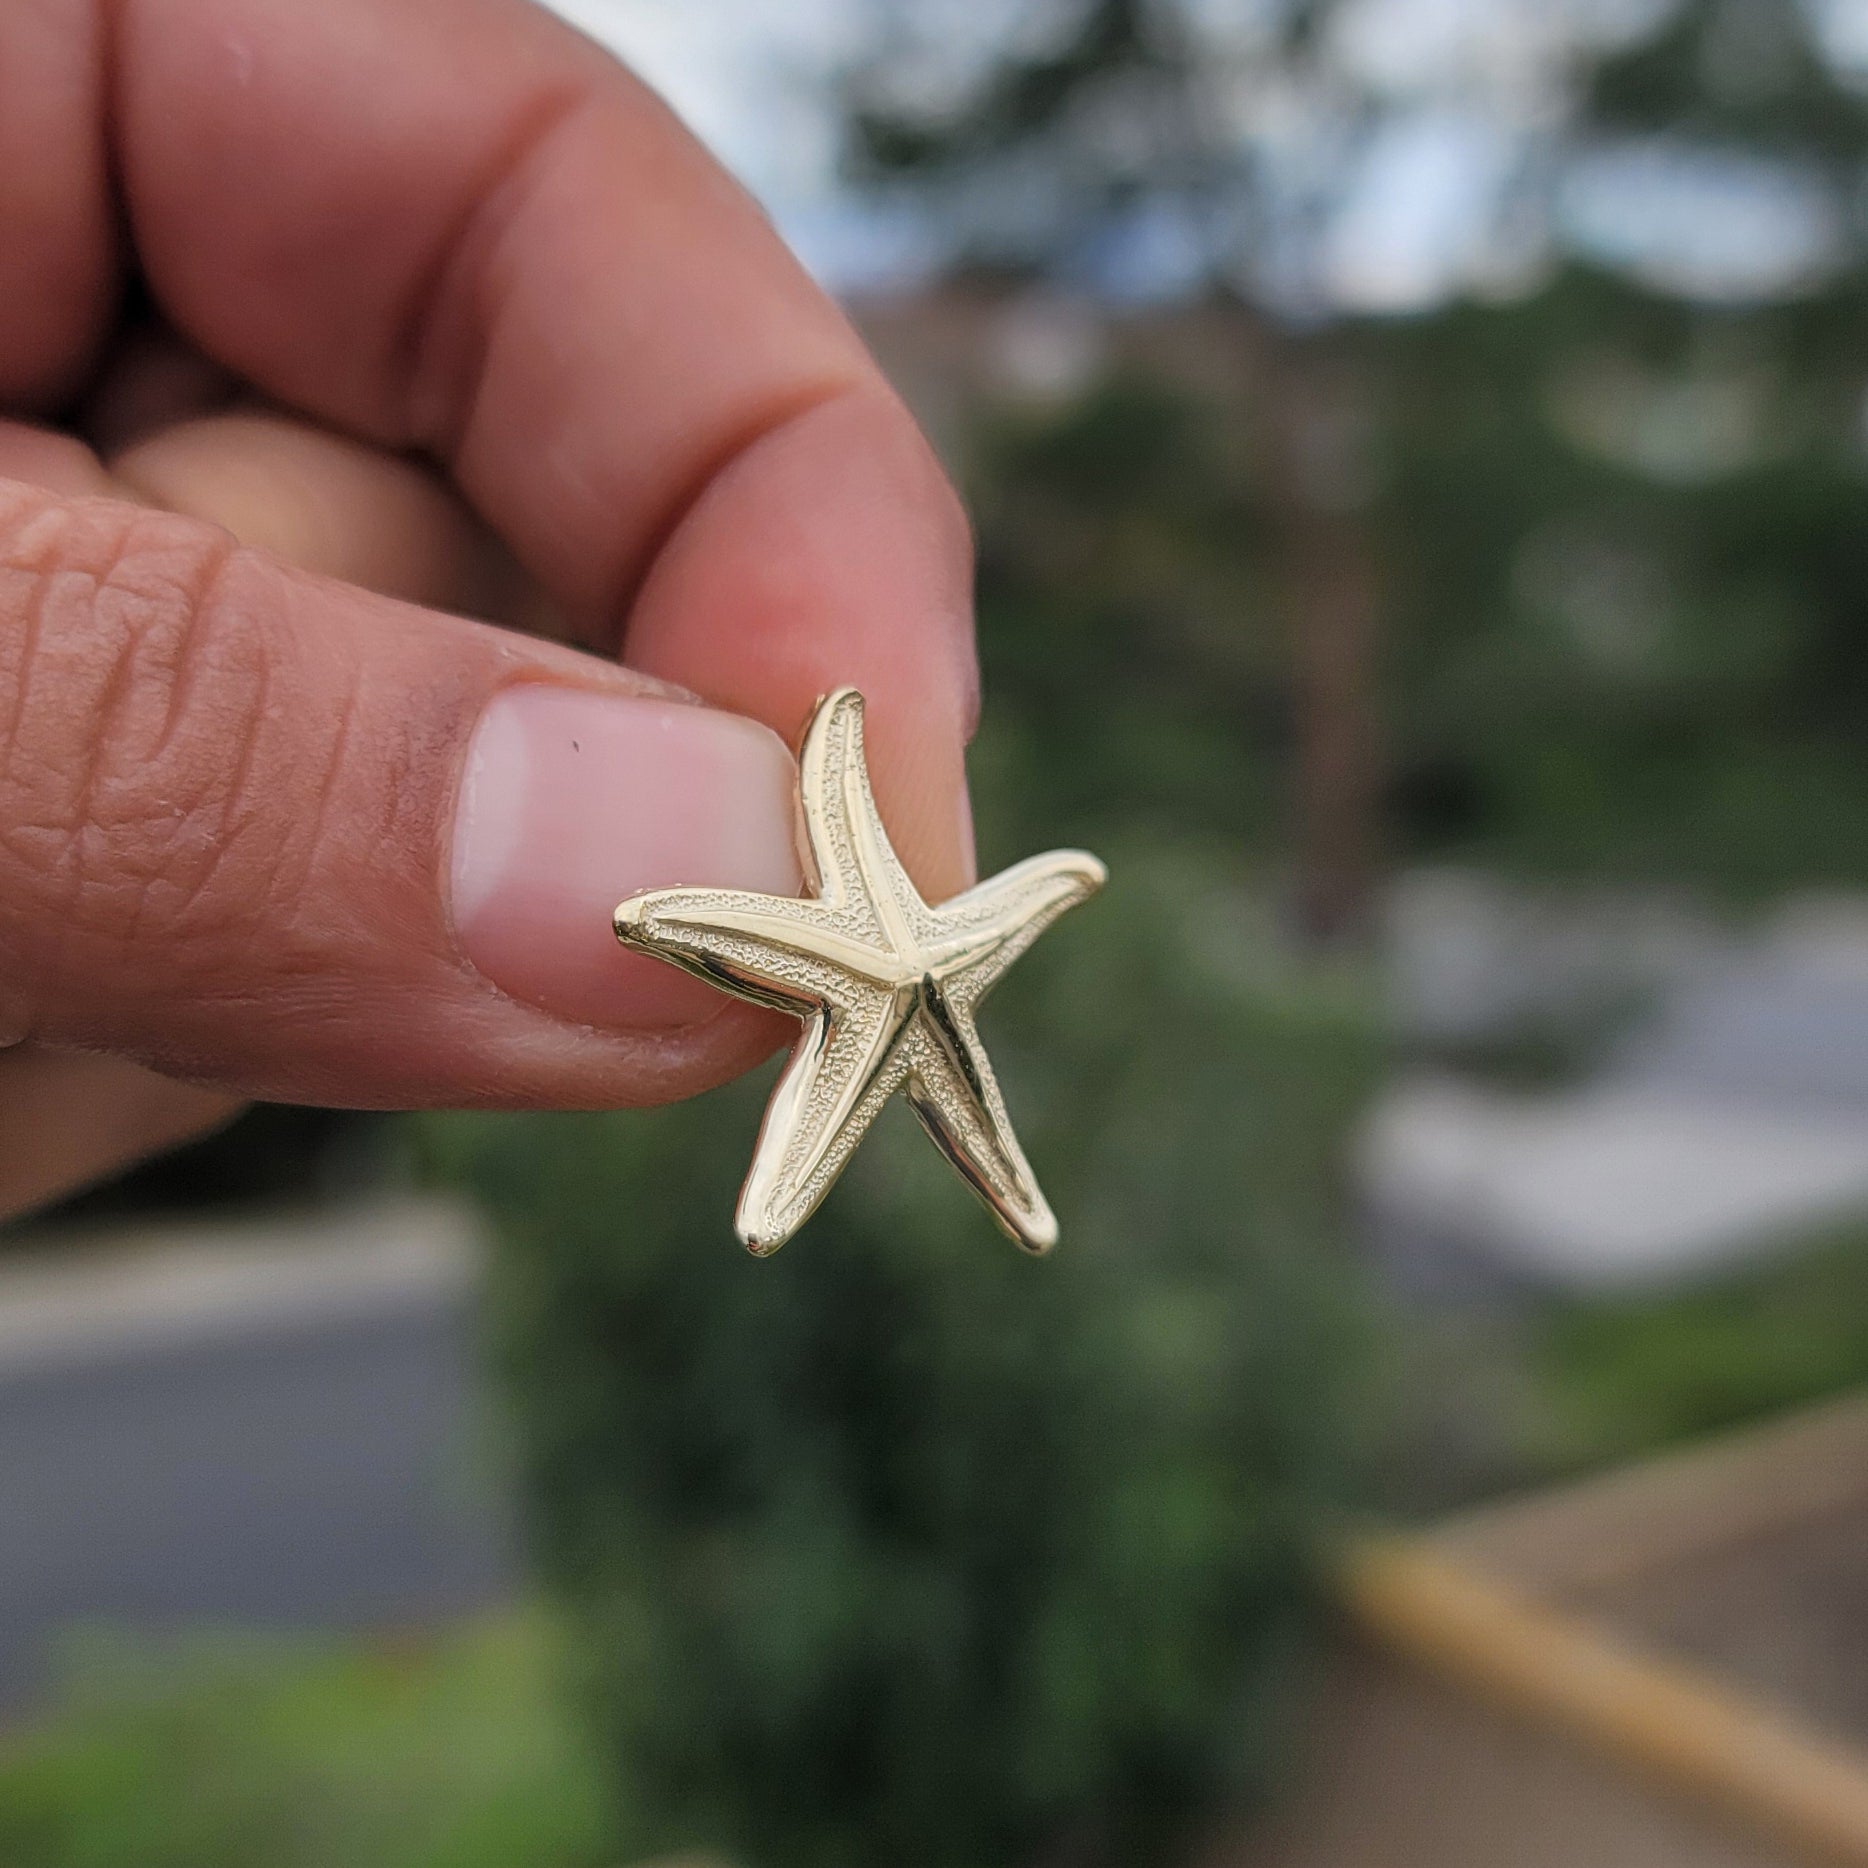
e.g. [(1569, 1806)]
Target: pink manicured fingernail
[(572, 801)]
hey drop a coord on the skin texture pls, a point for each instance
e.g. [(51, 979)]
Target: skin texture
[(322, 330)]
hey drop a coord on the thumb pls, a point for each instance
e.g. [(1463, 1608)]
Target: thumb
[(272, 832)]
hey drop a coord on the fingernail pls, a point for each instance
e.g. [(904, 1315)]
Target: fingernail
[(573, 800)]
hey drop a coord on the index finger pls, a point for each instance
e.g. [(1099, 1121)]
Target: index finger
[(456, 225)]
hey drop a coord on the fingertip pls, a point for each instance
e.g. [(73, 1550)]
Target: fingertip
[(832, 551), (60, 464)]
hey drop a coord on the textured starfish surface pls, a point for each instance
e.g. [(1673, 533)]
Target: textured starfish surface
[(885, 984)]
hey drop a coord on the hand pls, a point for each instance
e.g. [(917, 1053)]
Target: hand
[(437, 313)]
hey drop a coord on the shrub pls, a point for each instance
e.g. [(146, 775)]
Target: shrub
[(903, 1546)]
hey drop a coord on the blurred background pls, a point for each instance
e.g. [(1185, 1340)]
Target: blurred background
[(1419, 451)]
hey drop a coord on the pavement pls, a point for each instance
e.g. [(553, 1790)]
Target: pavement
[(273, 1424), (1615, 1186), (1725, 1120)]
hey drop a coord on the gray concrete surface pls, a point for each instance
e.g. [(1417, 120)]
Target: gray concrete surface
[(275, 1426), (1725, 1120)]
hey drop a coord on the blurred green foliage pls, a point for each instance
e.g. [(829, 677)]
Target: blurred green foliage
[(1615, 1378), (1589, 668), (1615, 520), (301, 1754), (903, 1546), (1630, 588), (1630, 619), (1123, 608)]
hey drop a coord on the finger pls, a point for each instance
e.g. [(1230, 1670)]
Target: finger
[(326, 503), (151, 380), (318, 500), (509, 252), (68, 1119), (59, 463), (58, 260), (245, 813)]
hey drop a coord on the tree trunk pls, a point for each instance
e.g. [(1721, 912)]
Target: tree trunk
[(1317, 477)]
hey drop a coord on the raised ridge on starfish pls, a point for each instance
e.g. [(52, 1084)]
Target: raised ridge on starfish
[(885, 984)]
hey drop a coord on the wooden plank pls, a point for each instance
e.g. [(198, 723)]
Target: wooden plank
[(1665, 1511), (1686, 1729)]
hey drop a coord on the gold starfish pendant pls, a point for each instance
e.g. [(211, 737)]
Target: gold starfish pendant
[(885, 984)]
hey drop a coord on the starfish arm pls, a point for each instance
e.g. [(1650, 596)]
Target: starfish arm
[(884, 984), (983, 931), (952, 1089), (774, 950), (844, 1067), (856, 864)]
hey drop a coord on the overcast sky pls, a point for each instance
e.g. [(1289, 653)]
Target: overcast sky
[(749, 78), (1418, 214)]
